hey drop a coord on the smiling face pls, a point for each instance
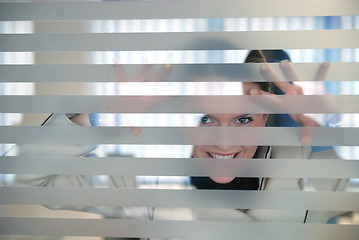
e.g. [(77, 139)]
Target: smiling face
[(229, 120)]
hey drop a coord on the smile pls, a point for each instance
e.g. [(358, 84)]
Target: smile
[(216, 155)]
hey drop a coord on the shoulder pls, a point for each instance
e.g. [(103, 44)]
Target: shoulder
[(60, 119), (61, 149), (298, 152), (313, 184), (301, 152), (328, 154)]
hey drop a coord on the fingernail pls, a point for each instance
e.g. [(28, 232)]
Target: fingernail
[(326, 65), (148, 61), (305, 140), (115, 61), (135, 131), (284, 62), (254, 92), (264, 67), (166, 64), (305, 136)]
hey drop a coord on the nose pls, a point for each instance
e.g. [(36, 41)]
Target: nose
[(224, 148), (224, 138)]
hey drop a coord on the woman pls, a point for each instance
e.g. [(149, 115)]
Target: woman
[(266, 152), (210, 151), (255, 56)]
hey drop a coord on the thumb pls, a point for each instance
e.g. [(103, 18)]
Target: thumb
[(135, 131)]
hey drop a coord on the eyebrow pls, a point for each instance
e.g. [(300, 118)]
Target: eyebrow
[(240, 115)]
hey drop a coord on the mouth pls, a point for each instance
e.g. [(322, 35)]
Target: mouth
[(221, 155)]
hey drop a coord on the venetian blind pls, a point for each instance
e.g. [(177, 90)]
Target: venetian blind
[(78, 195)]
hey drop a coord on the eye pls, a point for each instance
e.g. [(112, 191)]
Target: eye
[(244, 120), (205, 120)]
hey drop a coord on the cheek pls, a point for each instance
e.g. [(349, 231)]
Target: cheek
[(249, 151), (196, 152)]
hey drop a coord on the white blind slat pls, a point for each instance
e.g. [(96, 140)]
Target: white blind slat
[(105, 72), (182, 198), (181, 104), (165, 29), (178, 41), (176, 229), (285, 136), (294, 168), (174, 9)]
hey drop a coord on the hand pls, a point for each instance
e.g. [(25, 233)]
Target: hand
[(289, 89), (146, 74), (80, 119)]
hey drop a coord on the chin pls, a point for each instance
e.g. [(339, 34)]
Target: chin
[(222, 180)]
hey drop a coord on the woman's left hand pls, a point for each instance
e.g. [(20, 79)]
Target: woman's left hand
[(290, 75)]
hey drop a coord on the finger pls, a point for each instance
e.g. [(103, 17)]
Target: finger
[(268, 102), (268, 74), (291, 76), (144, 74), (289, 89), (257, 92), (162, 73), (135, 131), (322, 72), (281, 83), (306, 132), (305, 136), (299, 118), (306, 121), (120, 74), (288, 71)]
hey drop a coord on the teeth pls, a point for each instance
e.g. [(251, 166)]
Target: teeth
[(213, 155)]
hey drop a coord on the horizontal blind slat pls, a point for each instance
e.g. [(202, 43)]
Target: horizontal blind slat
[(178, 41), (174, 9), (321, 39), (294, 168), (180, 104), (175, 229), (285, 136), (181, 198), (339, 71)]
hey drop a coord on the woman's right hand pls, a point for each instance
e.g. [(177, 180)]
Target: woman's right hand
[(147, 73)]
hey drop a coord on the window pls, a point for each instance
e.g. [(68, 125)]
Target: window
[(115, 181)]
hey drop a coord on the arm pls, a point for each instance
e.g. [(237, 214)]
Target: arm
[(306, 121), (68, 180), (79, 151), (52, 150)]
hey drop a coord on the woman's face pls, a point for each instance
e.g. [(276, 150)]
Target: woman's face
[(229, 120)]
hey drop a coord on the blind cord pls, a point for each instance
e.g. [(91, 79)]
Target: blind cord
[(306, 211)]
